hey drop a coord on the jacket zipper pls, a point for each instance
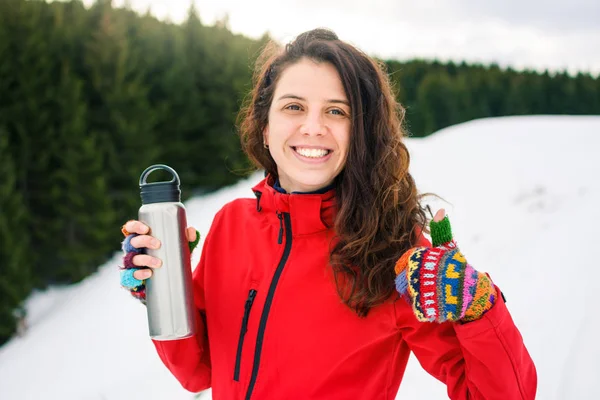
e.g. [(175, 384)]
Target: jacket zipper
[(265, 313), (280, 237), (244, 329)]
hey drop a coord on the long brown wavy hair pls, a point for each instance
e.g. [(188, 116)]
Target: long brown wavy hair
[(379, 213)]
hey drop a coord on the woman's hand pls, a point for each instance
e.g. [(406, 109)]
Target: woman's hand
[(439, 283), (137, 267)]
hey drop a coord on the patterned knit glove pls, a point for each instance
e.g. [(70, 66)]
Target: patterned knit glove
[(439, 283), (137, 287)]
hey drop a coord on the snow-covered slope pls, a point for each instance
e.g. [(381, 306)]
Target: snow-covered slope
[(523, 195)]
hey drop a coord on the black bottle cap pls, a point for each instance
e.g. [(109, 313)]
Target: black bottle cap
[(159, 192)]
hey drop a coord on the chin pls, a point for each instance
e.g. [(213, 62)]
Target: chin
[(314, 184)]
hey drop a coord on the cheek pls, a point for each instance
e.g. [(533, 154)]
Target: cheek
[(280, 128), (343, 140)]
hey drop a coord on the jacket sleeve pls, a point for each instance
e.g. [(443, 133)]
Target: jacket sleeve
[(189, 359), (483, 359)]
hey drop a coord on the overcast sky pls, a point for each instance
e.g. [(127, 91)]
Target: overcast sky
[(522, 33)]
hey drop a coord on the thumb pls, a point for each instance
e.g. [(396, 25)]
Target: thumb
[(191, 234), (441, 231), (439, 215), (193, 237)]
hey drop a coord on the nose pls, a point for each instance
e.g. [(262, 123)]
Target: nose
[(313, 124)]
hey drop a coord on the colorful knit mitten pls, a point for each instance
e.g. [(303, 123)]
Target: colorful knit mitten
[(439, 283), (137, 287)]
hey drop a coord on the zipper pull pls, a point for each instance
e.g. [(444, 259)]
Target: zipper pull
[(250, 299), (280, 238)]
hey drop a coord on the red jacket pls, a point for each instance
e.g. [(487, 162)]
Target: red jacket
[(273, 326)]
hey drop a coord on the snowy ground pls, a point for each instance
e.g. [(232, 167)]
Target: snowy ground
[(524, 198)]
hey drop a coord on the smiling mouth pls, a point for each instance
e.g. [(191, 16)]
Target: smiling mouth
[(311, 153)]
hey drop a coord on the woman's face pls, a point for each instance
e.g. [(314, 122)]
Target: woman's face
[(309, 126)]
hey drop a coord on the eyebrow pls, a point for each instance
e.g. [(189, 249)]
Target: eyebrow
[(293, 96)]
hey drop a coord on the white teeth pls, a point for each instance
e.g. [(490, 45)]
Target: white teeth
[(313, 153)]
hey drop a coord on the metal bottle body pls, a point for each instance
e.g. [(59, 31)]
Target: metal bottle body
[(169, 293)]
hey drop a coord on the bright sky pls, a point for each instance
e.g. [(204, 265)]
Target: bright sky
[(522, 33)]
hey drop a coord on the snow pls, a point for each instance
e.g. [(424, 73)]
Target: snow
[(523, 196)]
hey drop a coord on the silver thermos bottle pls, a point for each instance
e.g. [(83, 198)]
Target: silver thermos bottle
[(169, 296)]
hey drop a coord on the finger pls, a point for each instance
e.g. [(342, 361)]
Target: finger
[(145, 241), (441, 231), (439, 215), (134, 226), (128, 279), (191, 234), (144, 260), (142, 274), (128, 260), (126, 245)]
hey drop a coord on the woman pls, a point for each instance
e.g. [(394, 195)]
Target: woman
[(320, 286)]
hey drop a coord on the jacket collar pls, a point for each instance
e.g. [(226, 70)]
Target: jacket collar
[(309, 212)]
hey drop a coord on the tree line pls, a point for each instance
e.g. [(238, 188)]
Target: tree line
[(89, 97), (438, 95)]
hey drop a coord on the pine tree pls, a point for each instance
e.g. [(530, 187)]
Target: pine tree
[(15, 247), (437, 103), (26, 112), (122, 120), (587, 96), (84, 222)]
